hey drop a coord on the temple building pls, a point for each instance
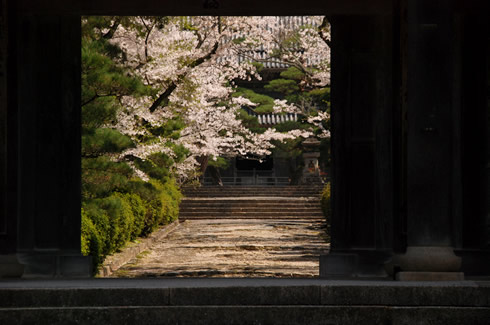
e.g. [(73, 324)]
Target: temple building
[(277, 169)]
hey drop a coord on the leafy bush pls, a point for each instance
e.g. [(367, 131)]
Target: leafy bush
[(161, 201), (91, 242), (172, 197), (100, 220), (121, 219), (326, 205), (108, 223), (138, 209)]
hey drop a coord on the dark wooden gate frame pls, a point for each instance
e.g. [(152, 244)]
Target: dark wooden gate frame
[(409, 103)]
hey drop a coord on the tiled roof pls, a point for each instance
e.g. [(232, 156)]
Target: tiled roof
[(259, 54)]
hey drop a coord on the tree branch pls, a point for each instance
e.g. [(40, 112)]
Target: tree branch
[(148, 32), (163, 98), (112, 29), (97, 96), (90, 100), (201, 60), (322, 35)]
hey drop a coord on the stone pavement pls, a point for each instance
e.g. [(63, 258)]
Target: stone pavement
[(234, 248)]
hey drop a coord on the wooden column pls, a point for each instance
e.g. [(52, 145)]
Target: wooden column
[(473, 243), (48, 170), (9, 263), (362, 147), (433, 139)]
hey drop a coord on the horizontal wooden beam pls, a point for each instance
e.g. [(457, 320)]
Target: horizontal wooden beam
[(205, 7)]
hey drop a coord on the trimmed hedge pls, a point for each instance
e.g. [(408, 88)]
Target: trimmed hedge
[(326, 205), (91, 242), (109, 223)]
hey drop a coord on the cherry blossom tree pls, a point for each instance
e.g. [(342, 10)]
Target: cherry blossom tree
[(191, 65)]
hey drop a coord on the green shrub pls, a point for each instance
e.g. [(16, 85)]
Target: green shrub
[(160, 200), (139, 210), (109, 223), (114, 220), (121, 220), (149, 193), (91, 241), (326, 205), (100, 220), (171, 198)]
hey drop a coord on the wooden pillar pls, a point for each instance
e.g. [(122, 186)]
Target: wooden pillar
[(362, 147), (9, 263), (433, 140), (473, 243), (48, 147)]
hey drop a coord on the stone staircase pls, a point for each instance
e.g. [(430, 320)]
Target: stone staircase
[(251, 202)]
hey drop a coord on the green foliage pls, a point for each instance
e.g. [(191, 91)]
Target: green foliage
[(220, 163), (291, 125), (290, 148), (172, 198), (100, 220), (102, 176), (265, 103), (103, 81), (327, 205), (180, 152), (239, 40), (104, 140), (284, 86), (91, 242), (156, 166), (320, 95), (116, 206), (171, 129), (320, 92), (109, 223), (138, 210), (293, 73), (161, 202), (259, 66), (251, 122), (104, 76), (114, 216)]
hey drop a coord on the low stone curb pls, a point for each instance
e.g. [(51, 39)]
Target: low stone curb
[(114, 262)]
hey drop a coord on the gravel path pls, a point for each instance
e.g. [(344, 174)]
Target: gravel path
[(234, 248)]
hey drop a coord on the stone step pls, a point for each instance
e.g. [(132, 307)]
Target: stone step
[(236, 202), (239, 214), (250, 217), (257, 199), (252, 211), (243, 301), (251, 187), (227, 191), (249, 210), (244, 194), (257, 188), (248, 200), (258, 203)]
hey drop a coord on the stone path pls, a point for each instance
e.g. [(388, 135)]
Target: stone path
[(234, 248)]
